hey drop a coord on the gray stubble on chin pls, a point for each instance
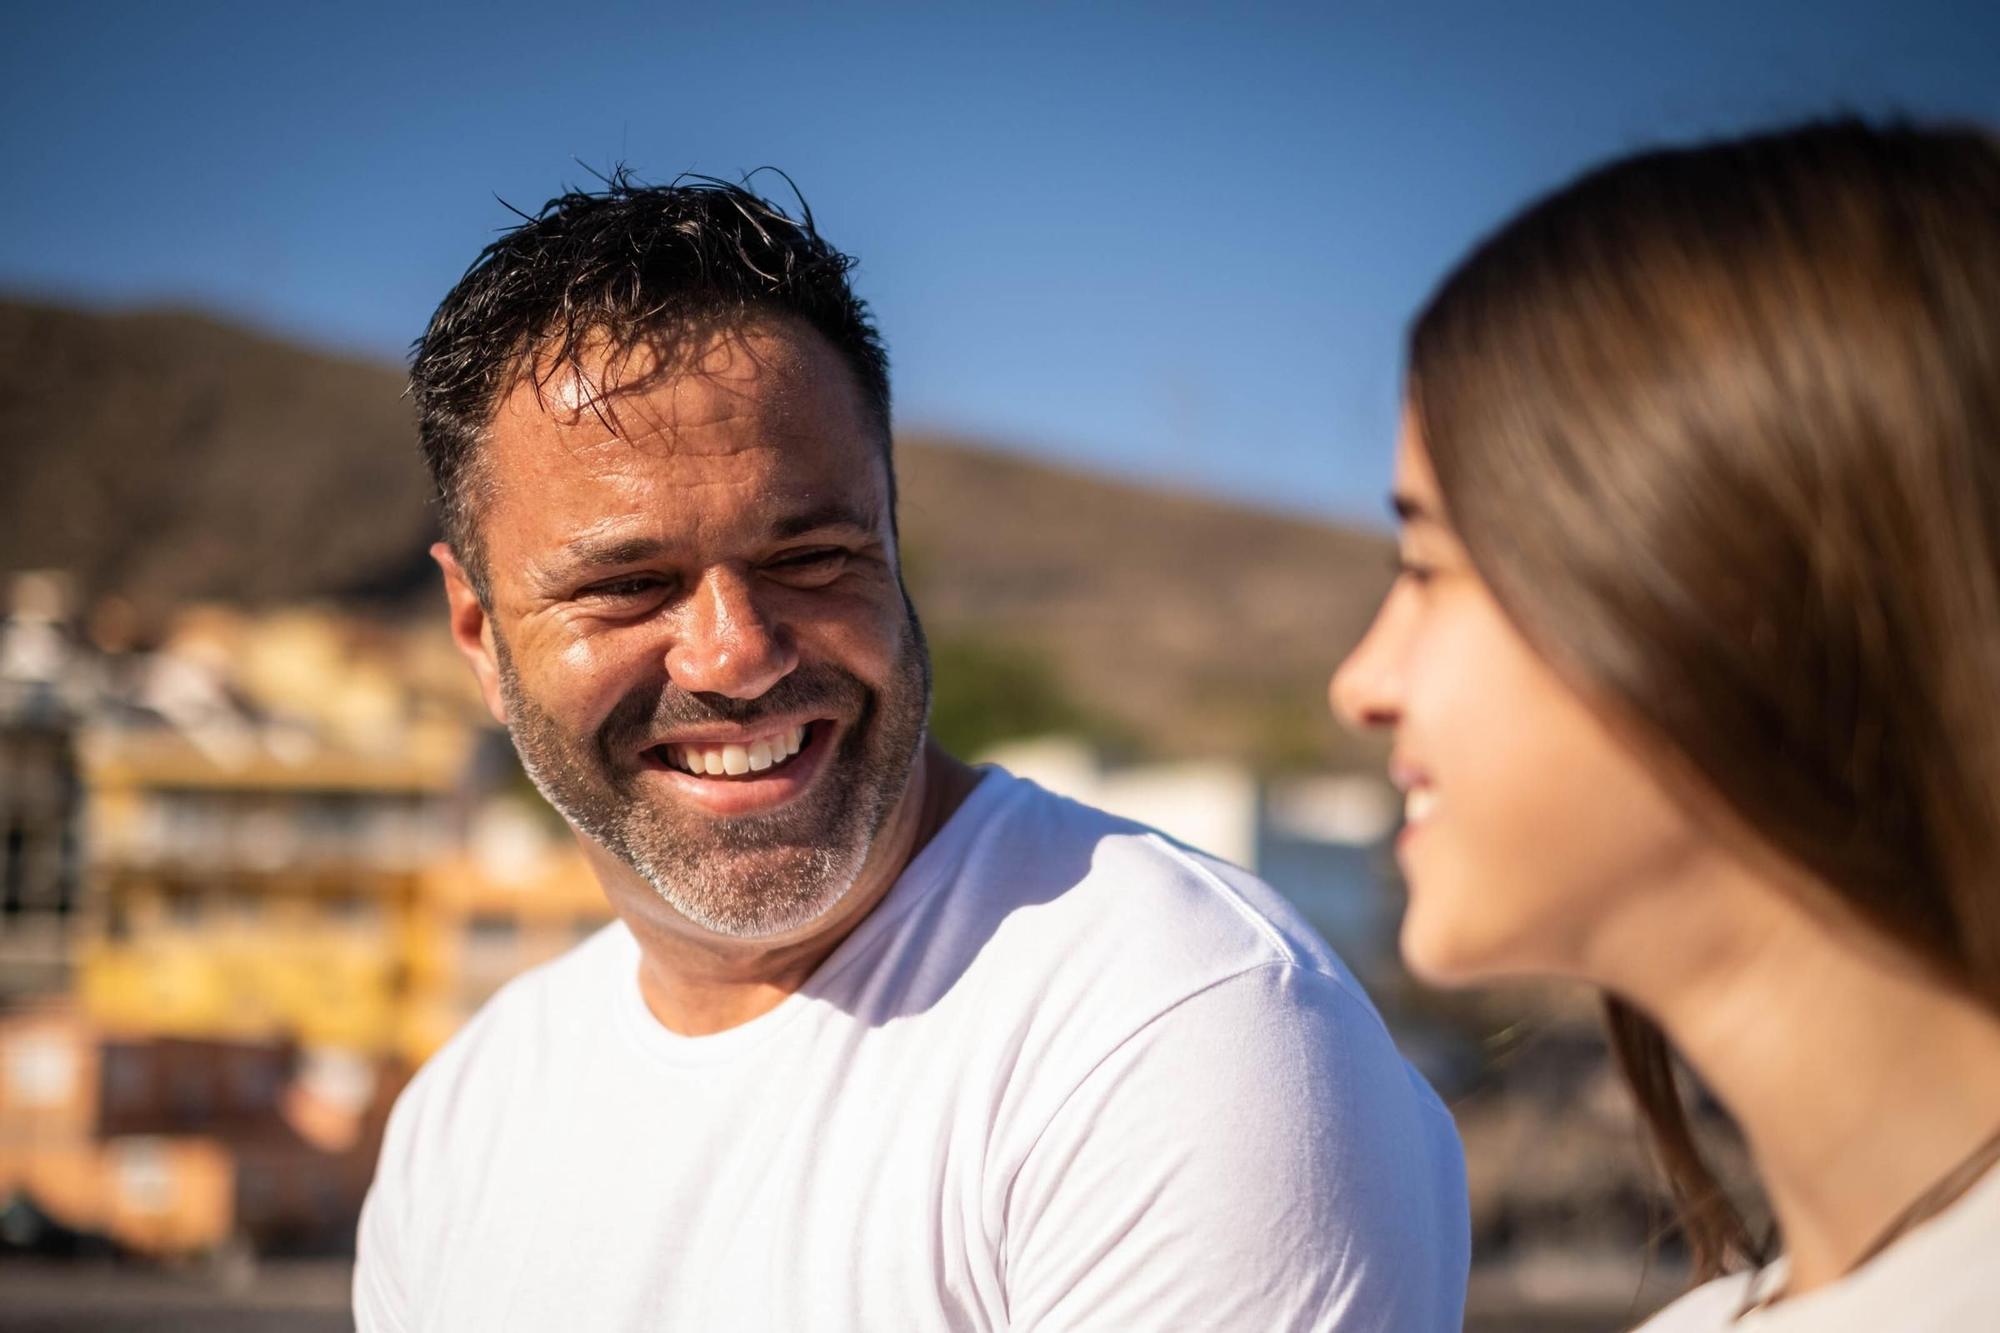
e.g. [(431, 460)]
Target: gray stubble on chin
[(761, 876)]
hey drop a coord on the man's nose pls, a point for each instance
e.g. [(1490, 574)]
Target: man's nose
[(1366, 689), (726, 643)]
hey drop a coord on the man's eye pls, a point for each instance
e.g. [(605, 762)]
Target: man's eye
[(636, 585), (817, 560)]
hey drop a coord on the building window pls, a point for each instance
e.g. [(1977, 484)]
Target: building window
[(127, 1080)]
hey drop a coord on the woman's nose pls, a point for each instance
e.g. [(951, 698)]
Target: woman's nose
[(1366, 690)]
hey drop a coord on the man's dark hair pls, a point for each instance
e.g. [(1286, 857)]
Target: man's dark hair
[(629, 264)]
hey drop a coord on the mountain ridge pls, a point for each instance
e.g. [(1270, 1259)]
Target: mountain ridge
[(169, 457)]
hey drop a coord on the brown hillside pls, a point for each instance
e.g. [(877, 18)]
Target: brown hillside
[(168, 457), (1205, 627)]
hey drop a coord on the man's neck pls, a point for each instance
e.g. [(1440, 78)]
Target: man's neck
[(1858, 1079), (697, 983)]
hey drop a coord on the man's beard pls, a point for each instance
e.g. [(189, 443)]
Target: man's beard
[(749, 876)]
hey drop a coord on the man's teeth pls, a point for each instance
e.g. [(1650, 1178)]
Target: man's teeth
[(733, 760), (1418, 803)]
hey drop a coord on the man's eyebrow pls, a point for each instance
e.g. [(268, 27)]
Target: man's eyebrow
[(833, 514), (588, 553), (591, 552)]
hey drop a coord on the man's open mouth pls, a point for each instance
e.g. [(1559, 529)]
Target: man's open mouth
[(751, 757)]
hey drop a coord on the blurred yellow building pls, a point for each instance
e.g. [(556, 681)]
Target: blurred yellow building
[(306, 860), (331, 875)]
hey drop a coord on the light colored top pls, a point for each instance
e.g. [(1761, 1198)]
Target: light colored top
[(1066, 1075), (1942, 1277)]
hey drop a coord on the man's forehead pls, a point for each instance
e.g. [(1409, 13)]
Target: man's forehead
[(747, 478), (655, 389), (754, 434)]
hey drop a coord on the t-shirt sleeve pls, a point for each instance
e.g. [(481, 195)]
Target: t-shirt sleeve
[(381, 1303), (1256, 1157)]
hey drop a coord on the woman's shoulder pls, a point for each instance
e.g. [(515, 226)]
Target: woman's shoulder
[(1940, 1278), (1713, 1305)]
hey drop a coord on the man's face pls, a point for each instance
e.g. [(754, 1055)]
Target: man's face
[(698, 634)]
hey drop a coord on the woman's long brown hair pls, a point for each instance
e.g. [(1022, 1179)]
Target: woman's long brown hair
[(1720, 426)]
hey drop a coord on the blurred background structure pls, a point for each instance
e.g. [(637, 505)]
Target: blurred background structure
[(1143, 272)]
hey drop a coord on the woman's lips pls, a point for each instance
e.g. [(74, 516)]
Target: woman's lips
[(1420, 801)]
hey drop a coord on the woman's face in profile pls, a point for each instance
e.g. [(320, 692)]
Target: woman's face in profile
[(1532, 835)]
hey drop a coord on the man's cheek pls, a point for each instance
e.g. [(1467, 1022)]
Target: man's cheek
[(587, 655), (585, 680), (871, 653)]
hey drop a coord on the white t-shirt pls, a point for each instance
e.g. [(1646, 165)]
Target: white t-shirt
[(1943, 1277), (1066, 1075)]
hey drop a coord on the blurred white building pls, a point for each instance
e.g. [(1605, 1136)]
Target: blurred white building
[(1318, 839)]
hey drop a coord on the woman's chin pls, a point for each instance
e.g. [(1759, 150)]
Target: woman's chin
[(1433, 956), (1441, 951)]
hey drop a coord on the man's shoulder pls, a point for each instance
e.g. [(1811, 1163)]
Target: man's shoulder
[(556, 1010), (1108, 872), (566, 990), (1121, 909)]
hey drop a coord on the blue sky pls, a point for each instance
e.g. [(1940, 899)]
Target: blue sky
[(1174, 241)]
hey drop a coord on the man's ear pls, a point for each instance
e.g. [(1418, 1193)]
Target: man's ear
[(471, 629)]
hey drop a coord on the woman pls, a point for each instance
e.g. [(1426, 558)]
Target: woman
[(1694, 672)]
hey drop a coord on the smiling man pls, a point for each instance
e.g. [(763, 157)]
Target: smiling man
[(878, 1041)]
